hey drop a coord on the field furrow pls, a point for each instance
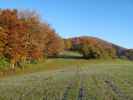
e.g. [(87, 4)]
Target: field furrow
[(78, 82)]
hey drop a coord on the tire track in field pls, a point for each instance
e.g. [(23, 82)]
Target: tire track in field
[(108, 81), (70, 85), (116, 90), (68, 88), (81, 93)]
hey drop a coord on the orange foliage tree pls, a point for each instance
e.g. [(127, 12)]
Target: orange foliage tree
[(23, 37)]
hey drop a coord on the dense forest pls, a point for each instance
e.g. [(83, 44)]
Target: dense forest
[(24, 39)]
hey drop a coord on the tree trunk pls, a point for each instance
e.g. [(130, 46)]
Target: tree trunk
[(12, 66)]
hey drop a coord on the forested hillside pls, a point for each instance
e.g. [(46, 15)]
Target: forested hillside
[(93, 47)]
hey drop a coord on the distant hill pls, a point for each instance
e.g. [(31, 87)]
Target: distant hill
[(120, 51)]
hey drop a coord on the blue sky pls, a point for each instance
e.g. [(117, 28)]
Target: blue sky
[(110, 20)]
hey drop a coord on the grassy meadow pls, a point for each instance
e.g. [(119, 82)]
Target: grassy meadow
[(70, 79)]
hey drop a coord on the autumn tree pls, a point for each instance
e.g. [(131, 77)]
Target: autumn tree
[(93, 48), (54, 45), (14, 31), (3, 41), (68, 44), (24, 38)]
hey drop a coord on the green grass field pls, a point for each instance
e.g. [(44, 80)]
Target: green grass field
[(71, 79)]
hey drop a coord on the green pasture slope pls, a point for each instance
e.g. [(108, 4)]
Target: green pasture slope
[(71, 79)]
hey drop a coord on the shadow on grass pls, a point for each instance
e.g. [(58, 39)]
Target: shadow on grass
[(67, 57)]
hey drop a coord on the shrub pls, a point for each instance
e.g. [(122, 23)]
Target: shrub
[(4, 62), (89, 51), (129, 54)]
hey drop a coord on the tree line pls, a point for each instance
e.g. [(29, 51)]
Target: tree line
[(95, 48), (25, 38), (91, 48)]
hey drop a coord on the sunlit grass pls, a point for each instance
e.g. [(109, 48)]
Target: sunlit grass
[(63, 79)]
